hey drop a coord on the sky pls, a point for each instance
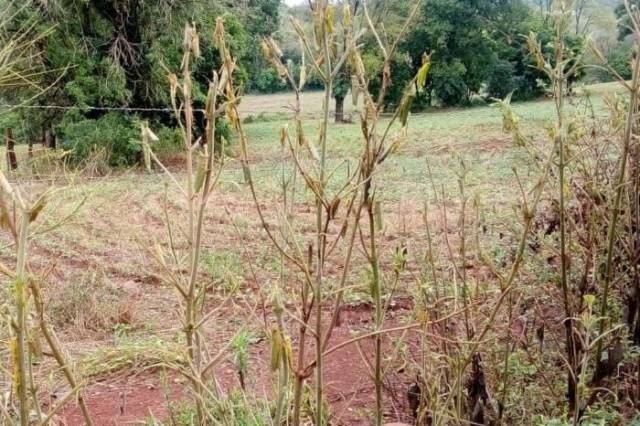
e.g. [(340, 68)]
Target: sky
[(293, 2)]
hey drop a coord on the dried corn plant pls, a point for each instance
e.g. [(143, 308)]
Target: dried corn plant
[(461, 390), (18, 213), (351, 203), (624, 189), (180, 267), (574, 227), (27, 302)]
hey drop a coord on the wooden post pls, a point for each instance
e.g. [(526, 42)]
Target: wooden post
[(12, 161), (50, 139)]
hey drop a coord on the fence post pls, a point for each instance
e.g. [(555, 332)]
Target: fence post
[(50, 139), (12, 161)]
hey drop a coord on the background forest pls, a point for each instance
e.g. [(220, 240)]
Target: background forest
[(99, 56)]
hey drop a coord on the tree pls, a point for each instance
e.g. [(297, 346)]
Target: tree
[(342, 83), (455, 30), (105, 54), (624, 21), (341, 87), (475, 40)]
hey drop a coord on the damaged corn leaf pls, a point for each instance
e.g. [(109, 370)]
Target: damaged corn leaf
[(421, 78), (405, 104), (201, 171), (510, 120), (284, 132), (277, 349), (346, 16), (329, 17), (536, 50), (300, 134), (147, 137), (218, 34), (273, 54), (38, 206)]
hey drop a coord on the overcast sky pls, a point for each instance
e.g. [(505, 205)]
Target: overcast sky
[(293, 2)]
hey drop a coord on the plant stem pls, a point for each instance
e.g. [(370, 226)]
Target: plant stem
[(379, 314), (320, 229), (559, 80), (56, 350), (21, 325), (611, 235)]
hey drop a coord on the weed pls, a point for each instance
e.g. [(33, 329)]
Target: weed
[(91, 303)]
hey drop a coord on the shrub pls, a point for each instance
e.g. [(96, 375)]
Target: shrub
[(169, 142), (401, 69), (448, 83), (502, 80), (619, 59), (267, 81), (113, 132)]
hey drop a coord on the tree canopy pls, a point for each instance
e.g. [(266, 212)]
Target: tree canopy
[(101, 55), (96, 57)]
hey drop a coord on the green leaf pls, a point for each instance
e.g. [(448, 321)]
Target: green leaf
[(421, 78)]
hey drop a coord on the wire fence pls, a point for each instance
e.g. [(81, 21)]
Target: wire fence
[(268, 170), (281, 110), (90, 108)]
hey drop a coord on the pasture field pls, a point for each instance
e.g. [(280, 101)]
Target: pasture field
[(104, 292)]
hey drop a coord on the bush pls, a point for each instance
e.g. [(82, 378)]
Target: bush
[(502, 80), (114, 133), (448, 83), (267, 81), (401, 69), (619, 59), (168, 144), (118, 136)]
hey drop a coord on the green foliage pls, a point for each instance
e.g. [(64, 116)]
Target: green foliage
[(402, 72), (341, 86), (624, 22), (266, 80), (502, 80), (619, 59), (114, 133), (448, 85), (234, 409), (477, 44), (240, 345), (463, 49), (225, 269), (117, 53), (169, 141)]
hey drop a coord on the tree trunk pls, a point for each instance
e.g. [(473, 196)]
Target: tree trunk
[(12, 161), (339, 110), (50, 139)]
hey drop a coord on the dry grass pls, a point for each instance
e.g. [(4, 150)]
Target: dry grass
[(279, 103), (92, 306)]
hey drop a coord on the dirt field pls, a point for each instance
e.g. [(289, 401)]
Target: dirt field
[(107, 301)]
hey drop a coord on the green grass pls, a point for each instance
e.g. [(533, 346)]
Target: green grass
[(441, 136)]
